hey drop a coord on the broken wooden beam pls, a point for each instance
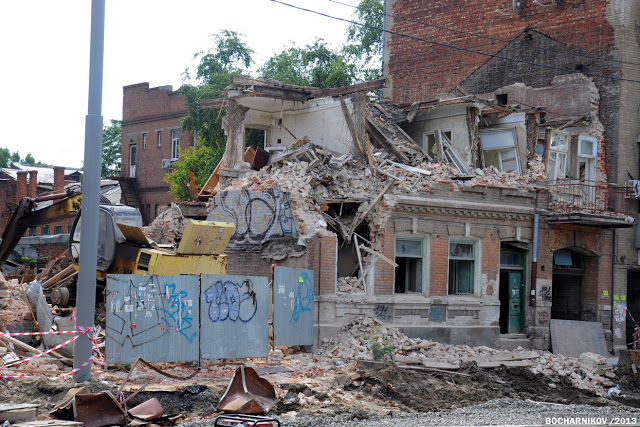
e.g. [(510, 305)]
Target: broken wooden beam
[(378, 134), (53, 280), (346, 90)]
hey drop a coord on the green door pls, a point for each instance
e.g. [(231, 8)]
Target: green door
[(515, 302)]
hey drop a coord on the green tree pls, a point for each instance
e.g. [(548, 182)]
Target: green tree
[(29, 160), (15, 156), (111, 149), (229, 55), (201, 160), (4, 157), (312, 65)]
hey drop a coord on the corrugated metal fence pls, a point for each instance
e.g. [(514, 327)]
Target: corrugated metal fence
[(185, 318)]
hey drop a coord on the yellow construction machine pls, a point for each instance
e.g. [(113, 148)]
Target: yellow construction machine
[(122, 247)]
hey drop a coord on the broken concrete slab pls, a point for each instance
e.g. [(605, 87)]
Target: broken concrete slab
[(17, 412), (573, 337)]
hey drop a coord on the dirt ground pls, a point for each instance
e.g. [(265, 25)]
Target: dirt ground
[(346, 389)]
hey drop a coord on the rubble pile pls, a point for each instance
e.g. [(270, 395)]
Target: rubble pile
[(167, 227), (589, 372), (12, 305), (54, 267), (350, 284)]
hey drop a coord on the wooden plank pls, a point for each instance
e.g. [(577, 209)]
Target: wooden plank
[(346, 90), (52, 281), (359, 218), (192, 182), (378, 134), (509, 363), (384, 258), (351, 126)]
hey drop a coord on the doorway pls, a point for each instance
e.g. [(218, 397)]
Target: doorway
[(633, 303), (512, 288), (566, 295)]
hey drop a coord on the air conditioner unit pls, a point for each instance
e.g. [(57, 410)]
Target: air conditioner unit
[(166, 163)]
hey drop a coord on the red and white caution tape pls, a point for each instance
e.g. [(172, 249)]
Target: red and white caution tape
[(73, 371), (24, 334), (17, 362)]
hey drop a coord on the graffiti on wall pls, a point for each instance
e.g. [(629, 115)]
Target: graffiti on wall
[(231, 301), (258, 216), (303, 297), (545, 293)]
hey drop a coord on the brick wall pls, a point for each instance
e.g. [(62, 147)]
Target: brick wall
[(152, 112)]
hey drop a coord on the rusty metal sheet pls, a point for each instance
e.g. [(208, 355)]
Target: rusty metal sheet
[(293, 306), (147, 410), (234, 321), (99, 409), (153, 317), (248, 393)]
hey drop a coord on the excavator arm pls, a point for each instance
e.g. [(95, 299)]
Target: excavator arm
[(27, 215)]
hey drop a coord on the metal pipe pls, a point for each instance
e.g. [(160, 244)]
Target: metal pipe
[(534, 260), (86, 288)]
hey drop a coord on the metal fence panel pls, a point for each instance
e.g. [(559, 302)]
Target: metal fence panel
[(235, 312), (154, 317), (293, 306)]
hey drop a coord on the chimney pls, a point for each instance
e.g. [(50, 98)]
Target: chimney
[(21, 186), (33, 184), (58, 179)]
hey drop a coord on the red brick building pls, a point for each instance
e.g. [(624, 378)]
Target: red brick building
[(151, 141), (472, 47)]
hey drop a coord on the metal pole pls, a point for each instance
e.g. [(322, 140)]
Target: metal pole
[(86, 290)]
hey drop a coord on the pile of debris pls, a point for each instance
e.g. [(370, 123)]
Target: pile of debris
[(167, 227), (361, 337), (12, 305)]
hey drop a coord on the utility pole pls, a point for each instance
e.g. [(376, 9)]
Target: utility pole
[(86, 289)]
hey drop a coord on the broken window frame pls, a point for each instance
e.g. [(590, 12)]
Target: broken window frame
[(558, 155), (456, 262), (502, 150), (422, 258), (437, 142)]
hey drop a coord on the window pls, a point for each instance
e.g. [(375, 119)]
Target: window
[(33, 231), (69, 229), (144, 141), (461, 268), (587, 148), (409, 271), (159, 138), (430, 143), (499, 149), (557, 167), (175, 144), (57, 229), (44, 230)]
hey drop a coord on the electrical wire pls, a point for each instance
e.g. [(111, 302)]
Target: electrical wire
[(496, 39), (446, 45)]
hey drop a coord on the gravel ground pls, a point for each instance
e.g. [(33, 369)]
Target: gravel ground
[(502, 411)]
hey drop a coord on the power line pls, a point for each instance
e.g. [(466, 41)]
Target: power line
[(551, 67), (564, 52)]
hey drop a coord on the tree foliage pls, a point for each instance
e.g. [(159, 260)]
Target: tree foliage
[(201, 160), (111, 149), (29, 159), (312, 65), (367, 38)]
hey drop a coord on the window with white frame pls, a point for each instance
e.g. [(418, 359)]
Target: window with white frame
[(461, 267), (499, 149), (175, 144), (558, 149), (587, 149), (144, 140), (409, 255), (159, 138), (430, 143)]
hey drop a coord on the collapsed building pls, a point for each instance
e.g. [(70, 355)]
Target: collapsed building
[(465, 220)]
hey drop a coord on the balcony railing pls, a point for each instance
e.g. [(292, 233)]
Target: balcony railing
[(592, 197)]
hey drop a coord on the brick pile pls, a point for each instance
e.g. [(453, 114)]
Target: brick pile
[(167, 227), (12, 305), (589, 372)]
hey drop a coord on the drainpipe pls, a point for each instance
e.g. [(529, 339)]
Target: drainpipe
[(534, 261)]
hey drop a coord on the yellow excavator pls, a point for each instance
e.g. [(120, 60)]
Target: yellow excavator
[(122, 247)]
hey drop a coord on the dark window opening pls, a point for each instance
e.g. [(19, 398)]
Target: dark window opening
[(33, 231), (409, 254), (45, 230), (502, 99), (255, 138), (57, 229), (348, 265)]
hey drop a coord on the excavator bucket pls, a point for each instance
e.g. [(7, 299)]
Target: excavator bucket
[(247, 393)]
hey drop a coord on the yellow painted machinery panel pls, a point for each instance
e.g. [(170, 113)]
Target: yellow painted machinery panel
[(157, 262), (205, 237)]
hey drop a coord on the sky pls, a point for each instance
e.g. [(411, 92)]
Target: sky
[(45, 57)]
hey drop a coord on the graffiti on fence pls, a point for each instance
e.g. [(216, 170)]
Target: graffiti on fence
[(230, 300), (303, 297), (146, 311), (258, 216)]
